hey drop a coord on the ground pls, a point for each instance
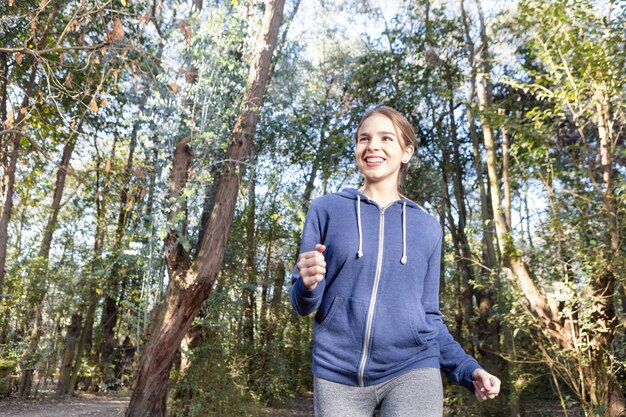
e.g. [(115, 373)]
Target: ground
[(301, 406), (112, 405), (89, 405), (84, 405)]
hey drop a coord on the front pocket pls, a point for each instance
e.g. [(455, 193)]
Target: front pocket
[(395, 338), (325, 313), (339, 335), (424, 331)]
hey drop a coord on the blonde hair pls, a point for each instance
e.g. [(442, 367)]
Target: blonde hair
[(404, 129)]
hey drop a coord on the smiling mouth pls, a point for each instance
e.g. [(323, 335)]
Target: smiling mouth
[(374, 160)]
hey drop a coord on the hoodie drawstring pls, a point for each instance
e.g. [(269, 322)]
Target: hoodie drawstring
[(359, 253), (358, 219), (403, 259)]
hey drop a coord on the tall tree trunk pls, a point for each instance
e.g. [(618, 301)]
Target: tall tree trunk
[(464, 259), (511, 258), (250, 274), (4, 139), (191, 282), (71, 340), (9, 173), (82, 341), (487, 328), (446, 207), (112, 299), (100, 201), (9, 176), (604, 285), (39, 283)]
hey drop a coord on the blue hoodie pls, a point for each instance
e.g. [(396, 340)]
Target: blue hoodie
[(378, 304)]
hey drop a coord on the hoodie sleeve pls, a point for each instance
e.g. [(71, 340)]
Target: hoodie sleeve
[(303, 300), (455, 363)]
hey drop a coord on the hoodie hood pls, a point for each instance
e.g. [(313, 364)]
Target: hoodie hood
[(360, 198), (353, 194)]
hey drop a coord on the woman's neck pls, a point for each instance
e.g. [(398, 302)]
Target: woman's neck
[(383, 195)]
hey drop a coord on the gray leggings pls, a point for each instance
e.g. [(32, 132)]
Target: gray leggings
[(418, 393)]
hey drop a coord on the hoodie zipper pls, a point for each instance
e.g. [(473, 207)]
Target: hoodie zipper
[(370, 312)]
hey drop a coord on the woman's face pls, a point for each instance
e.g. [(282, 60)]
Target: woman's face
[(380, 151)]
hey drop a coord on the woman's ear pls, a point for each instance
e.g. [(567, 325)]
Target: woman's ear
[(408, 153)]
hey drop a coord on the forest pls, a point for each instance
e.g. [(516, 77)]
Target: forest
[(158, 159)]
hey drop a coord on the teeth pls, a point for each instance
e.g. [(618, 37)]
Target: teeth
[(374, 159)]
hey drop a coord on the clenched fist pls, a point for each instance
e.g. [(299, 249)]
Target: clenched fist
[(312, 266)]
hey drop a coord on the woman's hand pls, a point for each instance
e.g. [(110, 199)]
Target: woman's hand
[(312, 266), (486, 386)]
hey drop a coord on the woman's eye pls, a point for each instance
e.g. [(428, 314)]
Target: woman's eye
[(363, 139), (387, 138)]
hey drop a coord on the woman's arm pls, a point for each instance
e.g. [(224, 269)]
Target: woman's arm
[(455, 363), (307, 283)]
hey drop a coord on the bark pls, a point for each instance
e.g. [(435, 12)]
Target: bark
[(9, 177), (251, 275), (110, 309), (71, 340), (9, 180), (38, 286), (26, 364), (190, 284), (9, 173), (82, 342), (488, 329), (4, 139), (100, 194), (488, 248), (464, 256), (604, 286), (267, 312), (459, 316), (510, 255), (275, 305), (506, 182)]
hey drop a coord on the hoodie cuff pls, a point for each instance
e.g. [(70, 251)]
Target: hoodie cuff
[(466, 374), (308, 293), (304, 300)]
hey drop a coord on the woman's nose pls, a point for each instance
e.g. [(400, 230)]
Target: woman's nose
[(374, 143)]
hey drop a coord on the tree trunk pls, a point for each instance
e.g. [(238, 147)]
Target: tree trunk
[(39, 284), (4, 139), (191, 283), (71, 340), (604, 287), (506, 182), (9, 177), (100, 195), (510, 255), (9, 180), (487, 329), (251, 276), (111, 301), (464, 257)]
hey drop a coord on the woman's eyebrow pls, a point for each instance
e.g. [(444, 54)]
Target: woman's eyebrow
[(379, 133)]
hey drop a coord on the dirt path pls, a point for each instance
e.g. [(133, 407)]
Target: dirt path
[(81, 406), (301, 406), (87, 405)]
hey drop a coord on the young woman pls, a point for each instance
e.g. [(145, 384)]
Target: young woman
[(369, 265)]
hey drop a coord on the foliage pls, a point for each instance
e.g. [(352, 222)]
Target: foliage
[(124, 77)]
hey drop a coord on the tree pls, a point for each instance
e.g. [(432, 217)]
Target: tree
[(563, 53), (191, 281)]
